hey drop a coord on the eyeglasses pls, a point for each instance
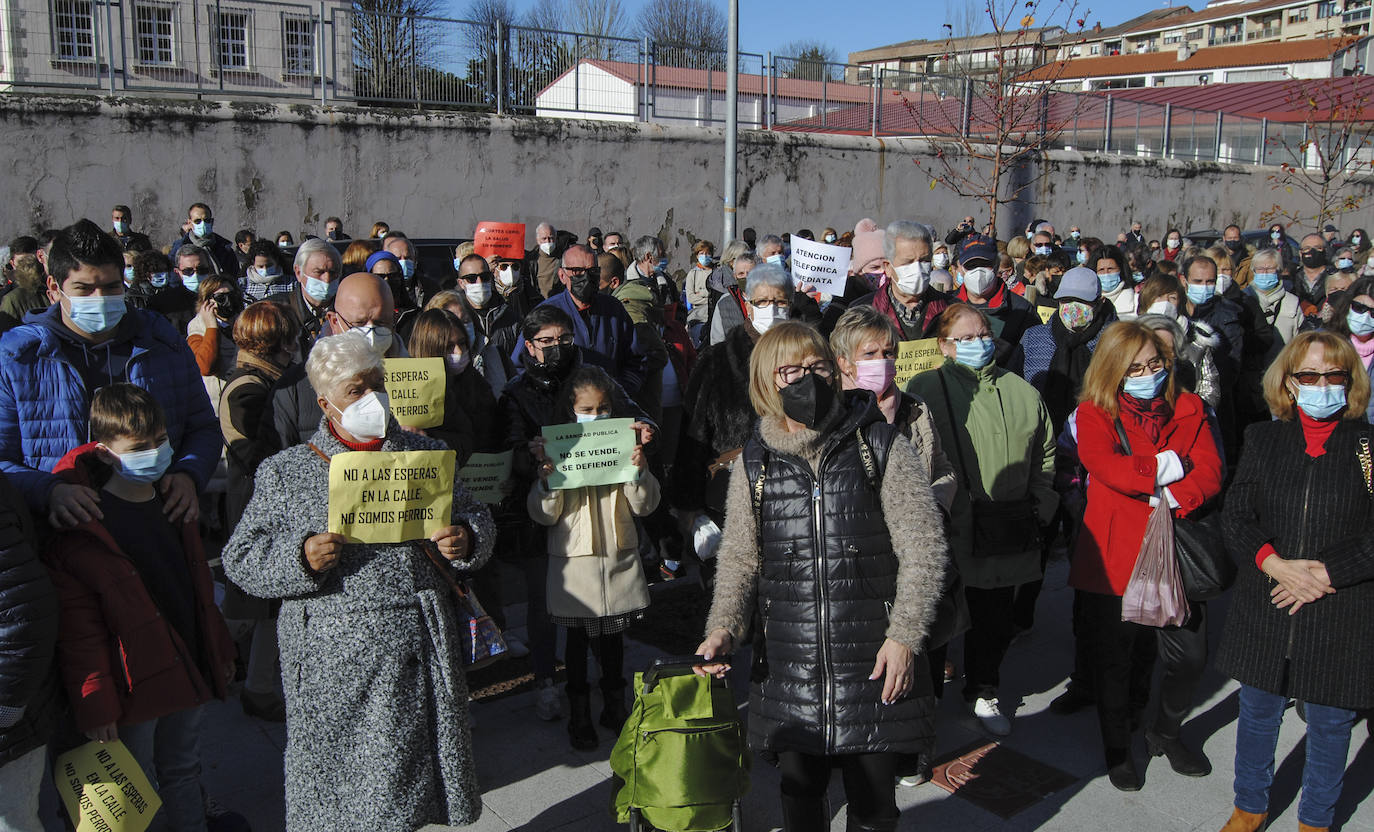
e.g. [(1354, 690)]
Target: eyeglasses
[(971, 339), (791, 373), (200, 270), (764, 304), (1340, 377), (1359, 308), (366, 329), (479, 277), (1154, 365), (589, 271), (562, 340)]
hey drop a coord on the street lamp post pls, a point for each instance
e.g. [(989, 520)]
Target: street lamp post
[(731, 122)]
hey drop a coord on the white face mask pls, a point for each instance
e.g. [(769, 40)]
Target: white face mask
[(380, 337), (547, 248), (1172, 244), (505, 276), (940, 261), (913, 278), (764, 317), (1163, 307), (477, 293), (979, 281), (1223, 283), (367, 417)]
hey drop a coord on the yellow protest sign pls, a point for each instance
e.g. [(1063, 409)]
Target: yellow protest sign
[(484, 474), (1045, 313), (915, 357), (415, 387), (104, 789), (390, 497), (590, 453)]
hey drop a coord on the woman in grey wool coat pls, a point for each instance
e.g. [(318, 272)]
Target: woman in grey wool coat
[(376, 701)]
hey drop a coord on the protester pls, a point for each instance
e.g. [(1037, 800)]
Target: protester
[(1116, 280), (495, 321), (997, 432), (265, 275), (1054, 356), (121, 223), (26, 296), (905, 295), (219, 256), (396, 708), (695, 289), (1353, 319), (356, 254), (1142, 440), (1009, 315), (318, 272), (542, 263), (470, 416), (812, 438), (596, 585), (210, 332)]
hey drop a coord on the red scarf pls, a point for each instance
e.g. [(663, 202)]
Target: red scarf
[(374, 445), (1316, 432), (1150, 415)]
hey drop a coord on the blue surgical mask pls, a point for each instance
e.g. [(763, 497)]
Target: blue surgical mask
[(407, 269), (775, 259), (97, 313), (1360, 323), (1044, 251), (128, 275), (1075, 234), (974, 354), (204, 228), (1321, 401), (663, 265), (1081, 256), (283, 244), (159, 279), (1266, 281), (318, 290), (1200, 293), (704, 260), (146, 466), (122, 227), (583, 418), (1109, 281), (1345, 264), (191, 282), (1146, 387), (457, 262)]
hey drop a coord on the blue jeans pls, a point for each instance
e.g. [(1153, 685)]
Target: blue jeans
[(168, 750), (1257, 737)]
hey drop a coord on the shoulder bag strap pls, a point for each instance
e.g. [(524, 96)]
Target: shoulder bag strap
[(866, 456), (1121, 435), (318, 452), (1366, 465)]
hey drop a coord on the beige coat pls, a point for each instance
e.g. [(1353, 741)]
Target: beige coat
[(594, 569)]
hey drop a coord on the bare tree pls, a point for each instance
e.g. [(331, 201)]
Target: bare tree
[(1319, 158), (392, 41), (688, 33), (600, 19), (812, 60), (991, 125)]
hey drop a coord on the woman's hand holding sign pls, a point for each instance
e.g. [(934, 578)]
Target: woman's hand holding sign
[(322, 551), (454, 542)]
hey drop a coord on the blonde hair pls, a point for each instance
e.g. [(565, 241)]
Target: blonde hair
[(1114, 356), (856, 325), (1336, 350), (787, 342), (1018, 247), (444, 299)]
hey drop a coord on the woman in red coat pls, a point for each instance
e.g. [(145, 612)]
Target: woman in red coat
[(1130, 383)]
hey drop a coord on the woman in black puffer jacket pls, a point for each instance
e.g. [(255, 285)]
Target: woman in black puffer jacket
[(845, 599)]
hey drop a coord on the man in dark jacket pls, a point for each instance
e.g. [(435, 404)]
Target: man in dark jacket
[(222, 257), (1009, 314), (29, 695), (1205, 306), (122, 220), (495, 322), (50, 366)]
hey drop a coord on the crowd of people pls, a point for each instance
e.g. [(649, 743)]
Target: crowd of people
[(850, 526)]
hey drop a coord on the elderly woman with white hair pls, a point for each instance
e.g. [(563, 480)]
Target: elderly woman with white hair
[(376, 701)]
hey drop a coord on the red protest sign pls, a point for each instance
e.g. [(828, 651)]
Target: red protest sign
[(500, 239)]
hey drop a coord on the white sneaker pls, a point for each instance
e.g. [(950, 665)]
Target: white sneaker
[(515, 647), (548, 705), (991, 716)]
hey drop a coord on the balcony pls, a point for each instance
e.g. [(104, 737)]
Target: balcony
[(1263, 34), (1222, 40), (1355, 16)]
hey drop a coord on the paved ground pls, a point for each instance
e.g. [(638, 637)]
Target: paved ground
[(533, 781)]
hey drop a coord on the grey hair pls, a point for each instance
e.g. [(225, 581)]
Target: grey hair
[(746, 257), (769, 240), (1046, 227), (314, 246), (732, 250), (336, 359), (647, 246), (541, 226), (768, 275), (906, 230), (1271, 255), (190, 250), (1158, 322)]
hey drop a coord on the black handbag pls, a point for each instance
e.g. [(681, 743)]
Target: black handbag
[(1000, 527), (1203, 562)]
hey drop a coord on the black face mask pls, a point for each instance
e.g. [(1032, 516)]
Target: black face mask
[(585, 286), (1233, 245), (1314, 259), (558, 360), (808, 400)]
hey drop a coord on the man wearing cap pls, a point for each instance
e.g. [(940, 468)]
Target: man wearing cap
[(905, 295), (1009, 314)]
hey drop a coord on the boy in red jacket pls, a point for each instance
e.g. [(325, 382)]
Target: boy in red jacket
[(141, 645)]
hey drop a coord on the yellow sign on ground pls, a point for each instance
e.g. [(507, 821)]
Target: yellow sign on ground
[(415, 387), (915, 357), (484, 474), (390, 497), (104, 789), (591, 453)]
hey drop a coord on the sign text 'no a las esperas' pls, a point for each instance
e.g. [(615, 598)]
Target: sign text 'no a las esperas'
[(390, 497), (104, 790)]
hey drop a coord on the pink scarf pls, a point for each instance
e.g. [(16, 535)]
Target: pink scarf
[(1365, 348)]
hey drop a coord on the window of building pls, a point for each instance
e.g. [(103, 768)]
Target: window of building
[(1327, 8), (1193, 34), (233, 39), (75, 30), (1297, 15), (298, 43), (1095, 49), (153, 33), (1171, 38)]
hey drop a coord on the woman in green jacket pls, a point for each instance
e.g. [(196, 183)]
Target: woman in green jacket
[(997, 431)]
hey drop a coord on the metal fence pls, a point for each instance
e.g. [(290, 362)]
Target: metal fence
[(332, 52)]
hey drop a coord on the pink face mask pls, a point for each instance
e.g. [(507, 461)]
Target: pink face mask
[(875, 374)]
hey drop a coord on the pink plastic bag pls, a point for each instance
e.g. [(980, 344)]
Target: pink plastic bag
[(1155, 596)]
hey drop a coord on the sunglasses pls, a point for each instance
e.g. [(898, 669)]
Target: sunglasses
[(202, 271), (1340, 377), (1359, 308)]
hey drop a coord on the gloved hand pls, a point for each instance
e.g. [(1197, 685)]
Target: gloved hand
[(1168, 468)]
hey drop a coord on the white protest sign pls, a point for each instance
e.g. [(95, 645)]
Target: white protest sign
[(823, 266)]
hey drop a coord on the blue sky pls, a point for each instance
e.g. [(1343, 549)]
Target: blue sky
[(849, 27)]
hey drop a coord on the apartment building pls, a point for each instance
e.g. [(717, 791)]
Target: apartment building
[(975, 55)]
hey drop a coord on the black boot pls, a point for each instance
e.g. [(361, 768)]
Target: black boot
[(581, 732), (857, 825), (805, 814), (1072, 700), (614, 713), (1181, 759), (1123, 775)]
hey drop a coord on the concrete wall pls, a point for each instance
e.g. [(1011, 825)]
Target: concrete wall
[(272, 168)]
